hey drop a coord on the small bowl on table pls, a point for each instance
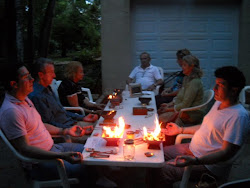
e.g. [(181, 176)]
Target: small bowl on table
[(145, 100), (108, 114)]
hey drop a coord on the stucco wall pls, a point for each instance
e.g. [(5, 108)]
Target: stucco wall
[(115, 32)]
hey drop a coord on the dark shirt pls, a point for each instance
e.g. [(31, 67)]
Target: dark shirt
[(50, 109), (68, 87), (178, 81)]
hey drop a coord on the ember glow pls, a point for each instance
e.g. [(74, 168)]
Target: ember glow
[(156, 135), (110, 97), (116, 132), (110, 112)]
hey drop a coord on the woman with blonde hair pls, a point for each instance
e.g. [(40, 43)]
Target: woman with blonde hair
[(190, 94), (70, 92)]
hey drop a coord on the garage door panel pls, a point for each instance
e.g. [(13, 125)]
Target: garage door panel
[(146, 27), (170, 26), (147, 45), (169, 44), (222, 45), (221, 27), (209, 31), (196, 44)]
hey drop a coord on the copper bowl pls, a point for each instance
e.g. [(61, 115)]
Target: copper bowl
[(108, 114), (145, 100), (112, 141)]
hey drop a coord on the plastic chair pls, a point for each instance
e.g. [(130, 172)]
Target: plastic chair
[(188, 169), (242, 97), (236, 184), (156, 91), (54, 86), (208, 96), (63, 181)]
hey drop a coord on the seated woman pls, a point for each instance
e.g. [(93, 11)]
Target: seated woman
[(168, 94), (70, 93), (190, 94)]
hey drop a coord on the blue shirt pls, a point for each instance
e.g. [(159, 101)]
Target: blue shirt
[(50, 108)]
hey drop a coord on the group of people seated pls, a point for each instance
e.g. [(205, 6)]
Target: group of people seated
[(31, 113)]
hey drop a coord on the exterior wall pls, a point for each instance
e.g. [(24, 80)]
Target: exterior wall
[(115, 32), (244, 40), (116, 47)]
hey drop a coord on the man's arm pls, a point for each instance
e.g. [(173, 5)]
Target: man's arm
[(53, 130), (226, 152), (153, 86), (173, 129), (159, 82), (129, 80), (22, 146)]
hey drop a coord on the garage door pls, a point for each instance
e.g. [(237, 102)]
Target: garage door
[(209, 31)]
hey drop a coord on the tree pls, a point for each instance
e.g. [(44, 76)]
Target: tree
[(46, 29)]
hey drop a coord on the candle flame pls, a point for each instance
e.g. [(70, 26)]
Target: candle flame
[(153, 135), (117, 132)]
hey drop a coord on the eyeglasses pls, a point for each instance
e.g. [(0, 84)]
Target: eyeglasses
[(145, 58)]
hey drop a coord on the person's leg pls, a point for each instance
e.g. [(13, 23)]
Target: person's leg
[(160, 100), (45, 171), (170, 174), (165, 176)]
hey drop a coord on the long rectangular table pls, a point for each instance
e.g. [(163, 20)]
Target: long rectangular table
[(137, 122)]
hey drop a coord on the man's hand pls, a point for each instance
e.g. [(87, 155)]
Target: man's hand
[(88, 129), (90, 118), (166, 92), (151, 88), (75, 131), (72, 157), (172, 129), (182, 161)]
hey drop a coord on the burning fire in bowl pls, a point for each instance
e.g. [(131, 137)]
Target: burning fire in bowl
[(155, 138), (113, 135), (108, 114)]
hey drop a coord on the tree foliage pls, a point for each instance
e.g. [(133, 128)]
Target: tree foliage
[(75, 27)]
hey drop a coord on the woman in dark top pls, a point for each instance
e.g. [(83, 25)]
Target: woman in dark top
[(169, 93), (70, 93)]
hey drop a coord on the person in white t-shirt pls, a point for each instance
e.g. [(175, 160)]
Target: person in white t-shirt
[(146, 74), (223, 131)]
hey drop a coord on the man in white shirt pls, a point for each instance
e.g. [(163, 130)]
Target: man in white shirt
[(146, 74), (223, 131)]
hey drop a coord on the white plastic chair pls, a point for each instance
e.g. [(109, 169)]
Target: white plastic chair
[(54, 86), (236, 183), (156, 91), (242, 97), (188, 169), (208, 96), (64, 181)]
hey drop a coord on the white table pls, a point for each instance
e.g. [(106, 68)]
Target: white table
[(136, 121)]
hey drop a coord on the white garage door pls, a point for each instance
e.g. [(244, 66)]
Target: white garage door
[(209, 31)]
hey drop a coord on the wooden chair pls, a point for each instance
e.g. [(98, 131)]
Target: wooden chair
[(188, 169), (63, 181)]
